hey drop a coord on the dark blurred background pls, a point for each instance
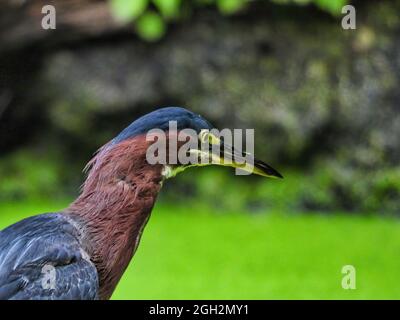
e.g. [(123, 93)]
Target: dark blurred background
[(324, 103)]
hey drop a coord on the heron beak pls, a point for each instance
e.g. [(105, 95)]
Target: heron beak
[(228, 156), (220, 153), (246, 162)]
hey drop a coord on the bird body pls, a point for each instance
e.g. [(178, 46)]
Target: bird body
[(104, 223), (45, 240), (83, 251)]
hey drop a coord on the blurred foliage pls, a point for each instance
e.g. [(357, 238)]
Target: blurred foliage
[(150, 16), (324, 188), (150, 26), (26, 175), (332, 6), (323, 103)]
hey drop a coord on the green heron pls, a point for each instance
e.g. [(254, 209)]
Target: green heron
[(87, 247)]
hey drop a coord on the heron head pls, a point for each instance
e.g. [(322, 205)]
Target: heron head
[(179, 139)]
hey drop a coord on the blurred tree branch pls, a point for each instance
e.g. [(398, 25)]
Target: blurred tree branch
[(20, 20)]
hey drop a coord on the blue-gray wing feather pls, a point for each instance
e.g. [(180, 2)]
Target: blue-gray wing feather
[(41, 258)]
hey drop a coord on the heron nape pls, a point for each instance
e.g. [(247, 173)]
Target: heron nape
[(89, 245)]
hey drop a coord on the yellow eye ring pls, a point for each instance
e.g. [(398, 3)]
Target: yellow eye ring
[(204, 136)]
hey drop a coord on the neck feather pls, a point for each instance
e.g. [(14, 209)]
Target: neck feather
[(114, 206)]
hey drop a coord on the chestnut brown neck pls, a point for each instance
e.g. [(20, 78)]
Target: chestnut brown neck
[(114, 206)]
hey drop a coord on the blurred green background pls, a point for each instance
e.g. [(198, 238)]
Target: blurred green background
[(324, 103)]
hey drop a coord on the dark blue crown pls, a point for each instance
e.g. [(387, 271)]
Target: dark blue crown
[(159, 119)]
